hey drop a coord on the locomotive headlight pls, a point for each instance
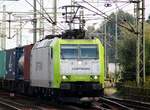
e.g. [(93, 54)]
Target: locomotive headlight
[(95, 77), (64, 77), (79, 62)]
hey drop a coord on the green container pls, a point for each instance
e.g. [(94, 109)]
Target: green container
[(2, 64)]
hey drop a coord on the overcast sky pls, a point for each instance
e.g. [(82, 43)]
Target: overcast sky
[(23, 6)]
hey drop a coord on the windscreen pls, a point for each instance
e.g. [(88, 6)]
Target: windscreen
[(88, 51), (79, 51), (69, 52)]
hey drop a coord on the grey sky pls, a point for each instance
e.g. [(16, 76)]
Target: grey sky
[(22, 6)]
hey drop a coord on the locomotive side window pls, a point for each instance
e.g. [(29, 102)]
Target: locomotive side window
[(69, 51), (51, 52)]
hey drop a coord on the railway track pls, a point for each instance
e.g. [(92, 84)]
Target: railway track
[(77, 105), (37, 104), (107, 104), (136, 105), (100, 103), (9, 106), (14, 105), (19, 102)]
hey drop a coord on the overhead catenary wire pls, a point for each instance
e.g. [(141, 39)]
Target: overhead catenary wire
[(92, 11), (125, 2), (44, 16), (20, 30), (39, 12), (16, 28), (54, 23), (131, 29), (121, 7), (49, 19), (124, 19), (46, 12), (96, 8)]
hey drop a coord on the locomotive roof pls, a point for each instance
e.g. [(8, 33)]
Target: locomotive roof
[(50, 42), (44, 43)]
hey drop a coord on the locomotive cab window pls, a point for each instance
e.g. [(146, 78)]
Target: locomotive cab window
[(79, 52), (88, 52), (69, 52)]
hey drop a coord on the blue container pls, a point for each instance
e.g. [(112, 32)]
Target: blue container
[(12, 63), (19, 70)]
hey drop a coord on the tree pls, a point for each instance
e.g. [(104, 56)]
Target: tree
[(127, 53), (127, 44), (147, 48), (123, 17)]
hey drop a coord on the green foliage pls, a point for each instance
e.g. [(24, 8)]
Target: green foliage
[(126, 44), (127, 53), (147, 82), (130, 83), (110, 27), (121, 16), (147, 48)]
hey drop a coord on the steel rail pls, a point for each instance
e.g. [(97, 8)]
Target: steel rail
[(114, 103), (12, 105), (132, 103)]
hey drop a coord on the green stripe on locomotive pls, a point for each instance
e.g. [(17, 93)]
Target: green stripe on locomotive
[(57, 59)]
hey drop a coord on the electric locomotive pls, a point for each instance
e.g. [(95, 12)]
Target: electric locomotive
[(68, 66), (55, 66)]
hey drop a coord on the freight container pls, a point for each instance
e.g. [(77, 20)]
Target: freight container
[(19, 59), (13, 70), (2, 64), (26, 64), (10, 64)]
